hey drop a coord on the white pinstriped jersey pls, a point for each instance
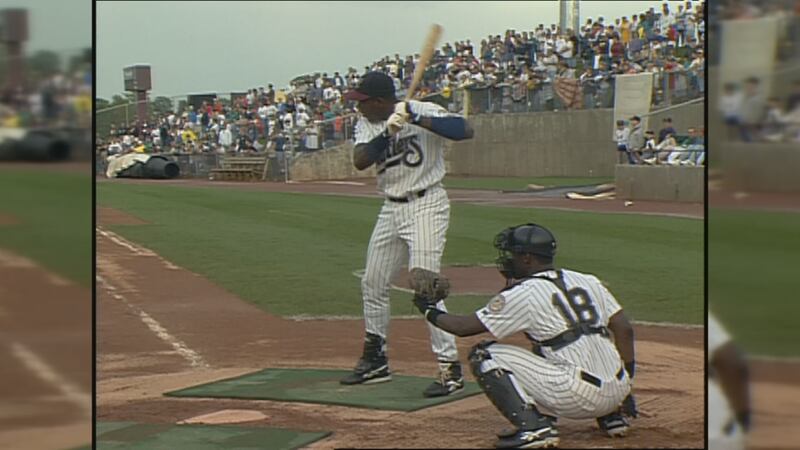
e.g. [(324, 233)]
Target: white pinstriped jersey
[(539, 309), (415, 158)]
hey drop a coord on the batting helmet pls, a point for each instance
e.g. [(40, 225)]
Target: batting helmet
[(527, 238)]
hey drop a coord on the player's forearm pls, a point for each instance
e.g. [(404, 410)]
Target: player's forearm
[(458, 325), (455, 324), (365, 155), (453, 128), (623, 339), (733, 374)]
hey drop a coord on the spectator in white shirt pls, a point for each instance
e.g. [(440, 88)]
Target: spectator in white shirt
[(621, 138), (302, 118), (730, 104), (226, 138), (328, 93), (287, 121)]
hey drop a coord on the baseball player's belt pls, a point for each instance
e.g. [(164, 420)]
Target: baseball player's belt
[(591, 379), (409, 197), (572, 335)]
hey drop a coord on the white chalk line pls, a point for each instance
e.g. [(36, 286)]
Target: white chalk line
[(307, 317), (13, 261), (49, 375), (194, 358), (777, 359), (134, 248)]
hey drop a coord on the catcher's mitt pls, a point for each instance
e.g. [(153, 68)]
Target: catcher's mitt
[(429, 285)]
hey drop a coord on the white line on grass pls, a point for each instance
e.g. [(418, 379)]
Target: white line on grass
[(775, 359), (47, 374), (307, 317), (134, 248), (194, 358)]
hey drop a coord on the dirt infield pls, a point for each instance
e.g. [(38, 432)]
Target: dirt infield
[(46, 379), (367, 188), (161, 327)]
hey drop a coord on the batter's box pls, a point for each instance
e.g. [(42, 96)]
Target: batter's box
[(403, 393)]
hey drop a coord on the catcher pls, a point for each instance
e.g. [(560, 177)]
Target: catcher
[(582, 361)]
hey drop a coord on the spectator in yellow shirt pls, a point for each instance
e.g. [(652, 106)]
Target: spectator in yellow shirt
[(188, 136), (625, 31)]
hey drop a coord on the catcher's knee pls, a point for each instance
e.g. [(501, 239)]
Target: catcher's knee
[(477, 355)]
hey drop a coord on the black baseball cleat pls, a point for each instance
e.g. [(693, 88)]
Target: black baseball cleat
[(450, 380), (614, 424), (544, 437), (510, 432), (369, 372)]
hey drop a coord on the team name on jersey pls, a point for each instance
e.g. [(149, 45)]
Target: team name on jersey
[(405, 150)]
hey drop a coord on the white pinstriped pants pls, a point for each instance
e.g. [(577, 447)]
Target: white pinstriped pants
[(719, 415), (556, 388), (415, 230)]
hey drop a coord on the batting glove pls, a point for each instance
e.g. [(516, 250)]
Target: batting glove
[(403, 109), (394, 124)]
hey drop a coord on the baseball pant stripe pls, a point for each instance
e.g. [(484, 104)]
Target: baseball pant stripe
[(384, 257), (556, 386)]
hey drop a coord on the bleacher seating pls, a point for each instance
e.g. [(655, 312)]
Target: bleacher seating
[(241, 168)]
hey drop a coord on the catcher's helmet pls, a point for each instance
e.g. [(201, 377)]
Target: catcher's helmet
[(527, 238)]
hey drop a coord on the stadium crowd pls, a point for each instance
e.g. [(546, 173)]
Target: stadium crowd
[(546, 68), (638, 146), (62, 99), (750, 113)]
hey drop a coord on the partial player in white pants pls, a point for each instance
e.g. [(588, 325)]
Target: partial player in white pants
[(559, 389), (582, 359), (728, 391), (413, 231), (405, 141)]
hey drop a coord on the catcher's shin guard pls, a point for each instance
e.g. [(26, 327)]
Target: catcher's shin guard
[(501, 388)]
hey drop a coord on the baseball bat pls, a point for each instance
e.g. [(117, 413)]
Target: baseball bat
[(424, 58)]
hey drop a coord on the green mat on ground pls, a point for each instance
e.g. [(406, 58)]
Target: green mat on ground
[(403, 393), (167, 436)]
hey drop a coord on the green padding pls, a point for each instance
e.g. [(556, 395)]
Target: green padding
[(403, 393), (133, 436)]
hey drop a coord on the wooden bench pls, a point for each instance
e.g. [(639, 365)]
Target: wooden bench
[(241, 168)]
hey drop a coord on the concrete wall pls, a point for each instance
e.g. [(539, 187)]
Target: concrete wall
[(683, 118), (563, 143), (331, 164), (665, 183), (759, 167), (576, 143)]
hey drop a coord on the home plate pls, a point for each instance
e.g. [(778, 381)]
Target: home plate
[(227, 416)]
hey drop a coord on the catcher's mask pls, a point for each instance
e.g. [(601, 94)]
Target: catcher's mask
[(527, 238)]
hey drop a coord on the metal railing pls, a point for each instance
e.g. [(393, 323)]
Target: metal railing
[(669, 88)]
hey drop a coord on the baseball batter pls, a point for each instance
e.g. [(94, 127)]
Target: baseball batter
[(582, 358), (405, 141), (728, 396)]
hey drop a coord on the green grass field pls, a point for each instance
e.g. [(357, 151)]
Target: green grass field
[(53, 211), (296, 253), (518, 183), (751, 259)]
